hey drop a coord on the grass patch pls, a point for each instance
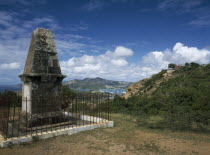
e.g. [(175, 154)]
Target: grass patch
[(126, 137), (129, 123), (98, 148), (152, 146)]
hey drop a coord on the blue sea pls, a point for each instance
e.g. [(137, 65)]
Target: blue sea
[(18, 87), (114, 91)]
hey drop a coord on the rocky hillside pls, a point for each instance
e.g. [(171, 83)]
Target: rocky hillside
[(96, 84), (149, 85), (133, 89)]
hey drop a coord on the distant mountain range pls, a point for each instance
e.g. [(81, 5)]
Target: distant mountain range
[(87, 83), (96, 84), (10, 87)]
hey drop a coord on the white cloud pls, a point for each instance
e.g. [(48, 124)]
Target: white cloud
[(180, 5), (122, 51), (119, 62), (197, 8), (113, 64), (5, 18), (92, 5), (182, 54), (104, 65), (9, 66), (22, 2), (64, 45), (201, 21)]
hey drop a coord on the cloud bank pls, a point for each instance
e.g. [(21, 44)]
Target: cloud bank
[(114, 64), (9, 66)]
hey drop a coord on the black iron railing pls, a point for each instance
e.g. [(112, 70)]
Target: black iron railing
[(23, 117)]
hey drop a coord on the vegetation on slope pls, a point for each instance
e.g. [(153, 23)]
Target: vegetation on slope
[(181, 102), (148, 85)]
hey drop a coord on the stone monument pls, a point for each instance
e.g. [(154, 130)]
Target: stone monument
[(42, 77)]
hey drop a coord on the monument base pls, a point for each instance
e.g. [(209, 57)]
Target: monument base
[(46, 119)]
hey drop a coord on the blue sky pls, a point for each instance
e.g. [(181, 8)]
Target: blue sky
[(114, 39)]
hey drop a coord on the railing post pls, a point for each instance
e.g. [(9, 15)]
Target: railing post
[(83, 107), (19, 120), (99, 107), (31, 121), (26, 116), (13, 119), (93, 107), (76, 108), (8, 110), (36, 102), (108, 106)]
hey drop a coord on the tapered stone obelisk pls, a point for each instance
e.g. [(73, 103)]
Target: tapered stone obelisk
[(42, 77)]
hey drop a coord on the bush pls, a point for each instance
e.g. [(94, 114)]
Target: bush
[(172, 66), (119, 104), (12, 96), (67, 93)]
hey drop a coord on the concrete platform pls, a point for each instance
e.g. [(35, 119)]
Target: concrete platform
[(99, 122)]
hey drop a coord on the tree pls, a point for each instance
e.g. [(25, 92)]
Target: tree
[(187, 64), (119, 104), (67, 92), (11, 96), (68, 96), (172, 65), (194, 65)]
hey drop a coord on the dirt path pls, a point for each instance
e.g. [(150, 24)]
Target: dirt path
[(125, 138)]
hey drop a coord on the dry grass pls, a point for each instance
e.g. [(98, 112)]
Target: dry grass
[(124, 138)]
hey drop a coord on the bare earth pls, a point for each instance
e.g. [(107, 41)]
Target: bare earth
[(125, 138)]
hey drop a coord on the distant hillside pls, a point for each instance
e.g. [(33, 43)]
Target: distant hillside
[(96, 84), (10, 87), (156, 82), (87, 83), (148, 85)]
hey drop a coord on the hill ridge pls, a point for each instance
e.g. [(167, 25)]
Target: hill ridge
[(96, 84)]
